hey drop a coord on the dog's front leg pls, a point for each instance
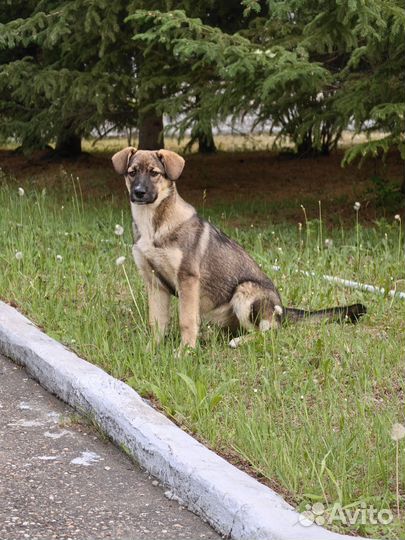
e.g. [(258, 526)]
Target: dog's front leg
[(159, 309), (189, 310)]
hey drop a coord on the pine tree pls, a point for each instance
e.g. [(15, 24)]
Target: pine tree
[(362, 45), (310, 67), (211, 74), (66, 69)]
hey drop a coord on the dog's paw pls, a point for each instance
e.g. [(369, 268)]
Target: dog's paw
[(235, 342)]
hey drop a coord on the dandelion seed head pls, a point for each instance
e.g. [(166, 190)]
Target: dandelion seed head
[(397, 432), (120, 260), (264, 325), (356, 206), (59, 258), (18, 255), (329, 243), (21, 192), (397, 217), (119, 230)]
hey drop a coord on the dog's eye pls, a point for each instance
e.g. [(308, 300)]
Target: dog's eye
[(154, 173), (132, 173)]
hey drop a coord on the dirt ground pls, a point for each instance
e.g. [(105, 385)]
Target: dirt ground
[(256, 181)]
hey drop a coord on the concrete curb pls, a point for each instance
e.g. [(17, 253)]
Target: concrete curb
[(235, 504)]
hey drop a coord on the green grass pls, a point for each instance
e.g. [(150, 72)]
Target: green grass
[(310, 407)]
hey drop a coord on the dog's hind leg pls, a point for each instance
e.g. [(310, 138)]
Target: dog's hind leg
[(256, 307)]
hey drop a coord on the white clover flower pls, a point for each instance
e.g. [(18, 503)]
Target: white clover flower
[(397, 217), (21, 192), (356, 206), (329, 243), (18, 255), (120, 260), (397, 432), (119, 230), (59, 258)]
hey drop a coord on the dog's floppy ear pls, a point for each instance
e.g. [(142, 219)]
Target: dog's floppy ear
[(172, 162), (120, 160)]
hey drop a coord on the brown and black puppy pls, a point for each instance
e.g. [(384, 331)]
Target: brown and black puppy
[(179, 253)]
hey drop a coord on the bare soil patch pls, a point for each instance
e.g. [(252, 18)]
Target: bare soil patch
[(262, 177)]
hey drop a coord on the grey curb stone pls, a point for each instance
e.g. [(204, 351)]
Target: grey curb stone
[(235, 504)]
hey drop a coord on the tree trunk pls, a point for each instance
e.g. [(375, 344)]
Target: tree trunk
[(68, 144), (206, 143), (305, 147), (150, 130)]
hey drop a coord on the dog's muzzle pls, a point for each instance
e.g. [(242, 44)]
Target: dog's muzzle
[(142, 196)]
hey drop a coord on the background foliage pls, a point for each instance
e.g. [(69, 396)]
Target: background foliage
[(307, 69)]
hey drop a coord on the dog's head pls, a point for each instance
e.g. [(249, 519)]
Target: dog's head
[(149, 174)]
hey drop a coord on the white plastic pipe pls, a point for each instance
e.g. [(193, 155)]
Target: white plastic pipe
[(351, 284)]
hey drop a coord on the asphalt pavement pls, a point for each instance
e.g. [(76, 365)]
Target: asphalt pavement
[(62, 479)]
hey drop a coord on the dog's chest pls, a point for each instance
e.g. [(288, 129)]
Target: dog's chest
[(148, 253)]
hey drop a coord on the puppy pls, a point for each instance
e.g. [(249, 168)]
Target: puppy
[(179, 253)]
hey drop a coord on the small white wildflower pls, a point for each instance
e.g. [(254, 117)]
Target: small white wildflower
[(397, 217), (21, 192), (255, 390), (264, 325), (397, 432), (18, 255), (120, 260), (59, 258), (356, 206), (329, 243), (62, 207), (119, 230), (300, 226), (280, 250)]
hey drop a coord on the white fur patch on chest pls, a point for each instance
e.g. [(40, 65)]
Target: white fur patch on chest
[(164, 260)]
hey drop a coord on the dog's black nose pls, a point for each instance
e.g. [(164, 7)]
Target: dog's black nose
[(137, 195)]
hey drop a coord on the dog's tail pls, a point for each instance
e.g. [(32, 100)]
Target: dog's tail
[(341, 314)]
